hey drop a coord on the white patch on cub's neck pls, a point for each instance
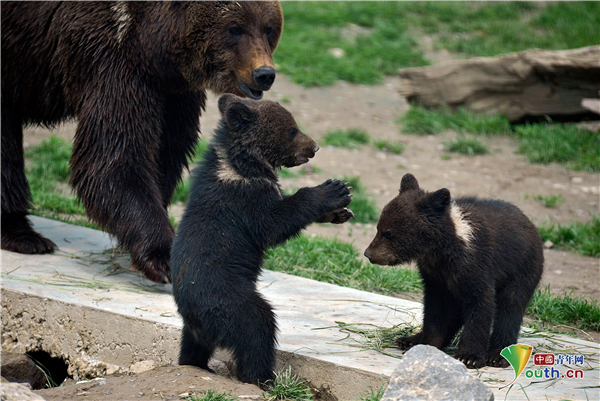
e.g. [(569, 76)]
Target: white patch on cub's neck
[(123, 19), (226, 172), (462, 226)]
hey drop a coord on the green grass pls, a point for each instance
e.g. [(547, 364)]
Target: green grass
[(395, 148), (566, 144), (336, 262), (201, 147), (312, 28), (580, 237), (182, 191), (212, 395), (289, 387), (47, 170), (467, 146), (576, 148), (363, 205), (374, 395), (351, 138), (354, 138), (385, 38), (565, 310), (550, 201), (421, 121)]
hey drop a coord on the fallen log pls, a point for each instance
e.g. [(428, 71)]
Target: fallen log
[(518, 85)]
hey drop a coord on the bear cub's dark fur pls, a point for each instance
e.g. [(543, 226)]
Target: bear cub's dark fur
[(236, 211), (480, 261)]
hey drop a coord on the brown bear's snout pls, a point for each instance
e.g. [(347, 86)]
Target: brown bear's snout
[(368, 255), (264, 77)]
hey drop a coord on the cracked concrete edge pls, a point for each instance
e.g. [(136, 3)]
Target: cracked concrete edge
[(96, 343)]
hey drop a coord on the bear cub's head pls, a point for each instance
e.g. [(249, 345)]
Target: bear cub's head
[(267, 131), (410, 225)]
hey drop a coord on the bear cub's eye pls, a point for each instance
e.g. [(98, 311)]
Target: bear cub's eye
[(293, 132), (236, 31), (387, 234)]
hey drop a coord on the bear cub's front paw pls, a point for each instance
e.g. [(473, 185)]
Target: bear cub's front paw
[(337, 216), (471, 361), (336, 194), (408, 342)]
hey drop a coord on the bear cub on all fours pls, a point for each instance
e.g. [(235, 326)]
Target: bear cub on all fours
[(236, 211), (480, 260)]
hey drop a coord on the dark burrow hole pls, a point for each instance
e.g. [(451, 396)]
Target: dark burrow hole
[(570, 118), (54, 368)]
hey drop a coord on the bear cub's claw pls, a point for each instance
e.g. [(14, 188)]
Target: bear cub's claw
[(496, 360), (336, 193), (471, 361), (410, 341)]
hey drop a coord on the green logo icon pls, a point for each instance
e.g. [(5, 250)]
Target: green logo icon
[(517, 355)]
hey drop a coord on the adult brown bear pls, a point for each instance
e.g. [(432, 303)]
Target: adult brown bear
[(135, 75)]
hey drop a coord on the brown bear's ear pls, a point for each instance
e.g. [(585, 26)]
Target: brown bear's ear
[(226, 100), (436, 202), (408, 183), (238, 116)]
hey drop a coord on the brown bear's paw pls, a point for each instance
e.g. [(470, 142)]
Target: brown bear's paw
[(18, 236), (336, 194), (409, 342), (471, 361), (29, 244), (496, 360), (156, 266)]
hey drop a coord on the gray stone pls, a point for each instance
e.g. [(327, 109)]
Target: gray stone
[(17, 392), (528, 83), (426, 373), (19, 368)]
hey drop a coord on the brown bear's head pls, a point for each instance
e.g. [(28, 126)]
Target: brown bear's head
[(268, 130), (409, 225), (229, 46)]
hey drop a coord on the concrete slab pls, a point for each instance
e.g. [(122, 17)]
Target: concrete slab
[(84, 305)]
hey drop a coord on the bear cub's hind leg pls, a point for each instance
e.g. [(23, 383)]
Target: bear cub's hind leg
[(193, 350)]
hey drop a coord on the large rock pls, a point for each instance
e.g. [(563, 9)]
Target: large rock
[(426, 373), (527, 83), (20, 368), (17, 392)]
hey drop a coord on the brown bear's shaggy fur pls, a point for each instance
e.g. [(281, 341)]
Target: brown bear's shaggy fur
[(134, 74), (480, 260)]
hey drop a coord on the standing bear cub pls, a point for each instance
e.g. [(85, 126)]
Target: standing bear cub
[(236, 211), (480, 261)]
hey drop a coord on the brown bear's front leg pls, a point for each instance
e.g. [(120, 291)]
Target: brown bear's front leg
[(17, 233), (115, 169), (179, 138)]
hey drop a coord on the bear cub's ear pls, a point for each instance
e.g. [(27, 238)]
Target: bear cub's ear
[(409, 183), (226, 100), (237, 114), (437, 201)]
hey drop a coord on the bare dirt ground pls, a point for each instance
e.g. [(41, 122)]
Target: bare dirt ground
[(502, 175)]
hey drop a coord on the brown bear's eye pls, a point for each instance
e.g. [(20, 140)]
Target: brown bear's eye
[(387, 234), (293, 132), (236, 31)]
